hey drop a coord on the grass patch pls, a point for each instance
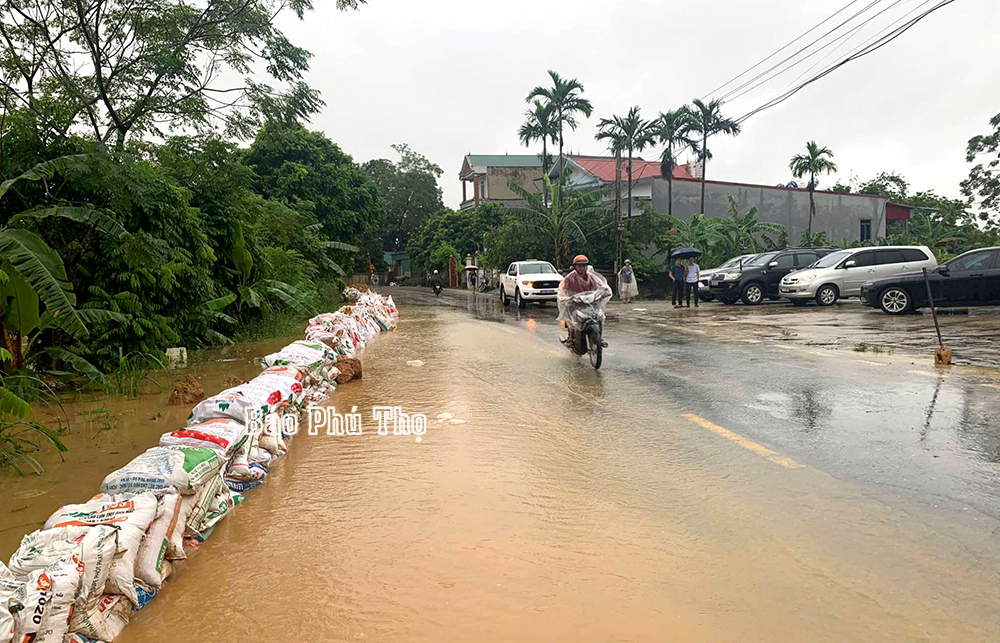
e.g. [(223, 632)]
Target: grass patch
[(865, 347)]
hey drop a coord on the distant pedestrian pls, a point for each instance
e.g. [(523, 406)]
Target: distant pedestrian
[(374, 279), (628, 287), (677, 273), (691, 277)]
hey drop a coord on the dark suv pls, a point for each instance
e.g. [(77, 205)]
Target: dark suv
[(759, 278)]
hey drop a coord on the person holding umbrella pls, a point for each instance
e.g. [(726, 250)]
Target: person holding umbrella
[(688, 275), (627, 285), (677, 273)]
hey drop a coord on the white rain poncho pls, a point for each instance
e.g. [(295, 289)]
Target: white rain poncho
[(628, 287), (574, 284)]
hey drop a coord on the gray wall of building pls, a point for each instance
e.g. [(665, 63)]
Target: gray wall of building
[(839, 215)]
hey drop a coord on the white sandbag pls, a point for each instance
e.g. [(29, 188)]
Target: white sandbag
[(255, 399), (104, 621), (12, 595), (239, 464), (165, 538), (303, 354), (50, 595), (200, 504), (224, 502), (222, 435), (165, 470), (95, 547), (132, 515)]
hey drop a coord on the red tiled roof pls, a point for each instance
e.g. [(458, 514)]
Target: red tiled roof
[(604, 168)]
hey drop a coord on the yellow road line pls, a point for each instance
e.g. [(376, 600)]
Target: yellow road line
[(760, 450), (787, 347)]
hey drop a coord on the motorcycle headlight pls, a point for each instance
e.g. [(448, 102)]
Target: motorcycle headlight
[(732, 276)]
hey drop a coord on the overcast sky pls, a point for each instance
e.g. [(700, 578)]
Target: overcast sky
[(449, 77)]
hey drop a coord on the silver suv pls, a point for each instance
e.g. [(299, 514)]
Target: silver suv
[(841, 273)]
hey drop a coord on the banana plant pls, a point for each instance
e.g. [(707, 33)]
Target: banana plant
[(254, 294)]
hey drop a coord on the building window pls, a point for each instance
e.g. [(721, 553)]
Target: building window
[(866, 229)]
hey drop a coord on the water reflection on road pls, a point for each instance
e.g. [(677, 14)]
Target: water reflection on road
[(582, 505)]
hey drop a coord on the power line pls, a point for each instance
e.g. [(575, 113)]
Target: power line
[(786, 59), (865, 43), (800, 37), (847, 34), (881, 42)]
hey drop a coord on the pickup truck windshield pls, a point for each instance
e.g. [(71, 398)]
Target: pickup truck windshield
[(760, 260), (537, 269)]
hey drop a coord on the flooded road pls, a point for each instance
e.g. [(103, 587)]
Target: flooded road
[(693, 490)]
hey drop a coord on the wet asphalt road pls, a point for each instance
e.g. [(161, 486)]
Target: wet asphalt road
[(704, 485), (894, 424)]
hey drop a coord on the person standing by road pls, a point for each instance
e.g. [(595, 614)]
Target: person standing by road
[(628, 287), (691, 277), (677, 273)]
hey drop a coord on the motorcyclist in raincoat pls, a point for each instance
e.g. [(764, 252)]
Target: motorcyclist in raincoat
[(582, 279)]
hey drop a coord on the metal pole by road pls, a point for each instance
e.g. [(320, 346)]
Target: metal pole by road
[(942, 356)]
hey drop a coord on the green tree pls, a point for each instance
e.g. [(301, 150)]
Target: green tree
[(983, 183), (744, 234), (542, 125), (558, 223), (706, 121), (123, 71), (629, 133), (887, 184), (815, 161), (564, 98), (410, 192), (307, 172), (673, 129), (464, 231)]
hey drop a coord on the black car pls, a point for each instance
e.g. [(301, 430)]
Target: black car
[(971, 279), (760, 276)]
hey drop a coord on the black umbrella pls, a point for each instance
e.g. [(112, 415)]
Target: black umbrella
[(685, 253)]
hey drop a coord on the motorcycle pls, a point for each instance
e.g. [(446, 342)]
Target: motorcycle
[(588, 322), (437, 290)]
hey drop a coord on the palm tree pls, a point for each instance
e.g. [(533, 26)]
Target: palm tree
[(541, 125), (629, 134), (557, 222), (814, 161), (564, 98), (673, 129), (707, 120)]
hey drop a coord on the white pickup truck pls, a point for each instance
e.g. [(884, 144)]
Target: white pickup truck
[(527, 281)]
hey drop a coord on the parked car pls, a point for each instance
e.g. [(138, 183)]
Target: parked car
[(704, 287), (840, 274), (759, 278), (529, 281), (971, 279)]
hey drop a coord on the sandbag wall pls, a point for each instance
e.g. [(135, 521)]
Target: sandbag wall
[(80, 577)]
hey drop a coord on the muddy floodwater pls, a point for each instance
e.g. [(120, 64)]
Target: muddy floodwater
[(570, 505)]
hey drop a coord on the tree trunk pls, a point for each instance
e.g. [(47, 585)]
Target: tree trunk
[(704, 167), (559, 178), (812, 212), (630, 188), (618, 211), (545, 172), (670, 182)]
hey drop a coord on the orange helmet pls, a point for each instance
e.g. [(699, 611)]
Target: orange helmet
[(580, 259)]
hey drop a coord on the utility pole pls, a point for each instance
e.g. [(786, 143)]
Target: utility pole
[(618, 211)]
